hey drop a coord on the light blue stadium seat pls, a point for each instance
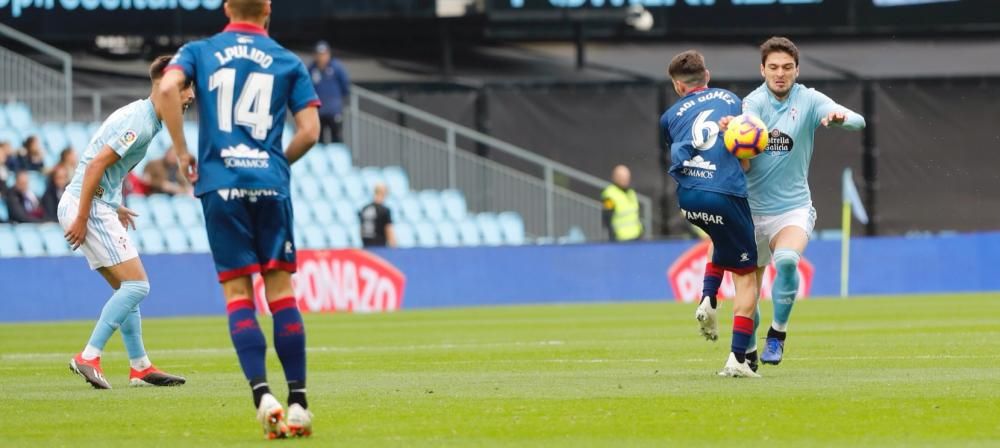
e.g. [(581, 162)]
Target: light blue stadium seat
[(151, 241), (339, 158), (163, 214), (317, 162), (54, 137), (454, 204), (469, 233), (331, 188), (78, 135), (191, 135), (10, 135), (337, 237), (323, 213), (430, 202), (346, 214), (512, 227), (405, 235), (18, 115), (371, 176), (198, 237), (410, 209), (448, 234), (138, 204), (396, 179), (176, 241), (52, 238), (427, 235), (187, 210), (489, 228), (314, 237), (354, 187), (30, 240), (309, 188), (3, 117), (4, 213), (37, 181), (300, 239), (575, 235), (8, 242)]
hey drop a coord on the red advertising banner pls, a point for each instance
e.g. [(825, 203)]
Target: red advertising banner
[(688, 271), (347, 280)]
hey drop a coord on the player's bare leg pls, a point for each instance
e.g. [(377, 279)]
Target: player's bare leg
[(290, 344), (251, 348), (744, 306), (786, 246)]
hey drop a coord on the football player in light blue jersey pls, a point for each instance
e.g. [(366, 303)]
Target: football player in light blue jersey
[(97, 224), (782, 208)]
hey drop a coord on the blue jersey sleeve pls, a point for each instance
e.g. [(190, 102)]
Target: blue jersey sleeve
[(184, 61), (823, 105), (303, 93)]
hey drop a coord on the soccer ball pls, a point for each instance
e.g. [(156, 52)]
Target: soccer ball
[(746, 137)]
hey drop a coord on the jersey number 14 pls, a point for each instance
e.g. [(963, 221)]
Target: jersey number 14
[(253, 108)]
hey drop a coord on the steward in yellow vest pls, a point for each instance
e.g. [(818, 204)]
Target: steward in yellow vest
[(621, 207)]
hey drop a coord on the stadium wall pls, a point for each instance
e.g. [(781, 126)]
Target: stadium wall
[(36, 289)]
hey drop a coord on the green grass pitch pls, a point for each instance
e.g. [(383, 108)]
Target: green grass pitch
[(904, 371)]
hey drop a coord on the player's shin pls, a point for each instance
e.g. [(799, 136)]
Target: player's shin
[(114, 313), (744, 307), (250, 345), (131, 330), (290, 344), (712, 282), (786, 286)]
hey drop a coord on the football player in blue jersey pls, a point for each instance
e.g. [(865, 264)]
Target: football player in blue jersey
[(246, 81), (96, 222), (712, 192), (780, 200)]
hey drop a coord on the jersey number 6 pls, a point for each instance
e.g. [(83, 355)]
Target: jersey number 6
[(705, 132)]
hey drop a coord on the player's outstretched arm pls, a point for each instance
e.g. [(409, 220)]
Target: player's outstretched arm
[(306, 134), (92, 175), (168, 100), (832, 114)]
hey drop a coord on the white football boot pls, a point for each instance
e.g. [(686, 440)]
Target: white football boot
[(299, 421), (736, 369), (706, 319), (271, 416)]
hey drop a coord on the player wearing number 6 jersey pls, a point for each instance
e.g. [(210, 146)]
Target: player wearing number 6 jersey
[(713, 196), (246, 81)]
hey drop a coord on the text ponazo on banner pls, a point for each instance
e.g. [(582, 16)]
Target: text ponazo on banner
[(687, 273), (349, 280)]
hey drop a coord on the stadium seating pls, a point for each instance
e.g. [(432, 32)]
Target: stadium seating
[(327, 189)]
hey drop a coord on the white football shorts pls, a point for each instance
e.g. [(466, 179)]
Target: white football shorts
[(107, 242), (765, 228)]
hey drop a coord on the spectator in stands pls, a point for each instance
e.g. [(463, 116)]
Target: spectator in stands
[(5, 171), (333, 87), (170, 162), (32, 157), (376, 221), (22, 204), (58, 179), (621, 207), (156, 179), (68, 160)]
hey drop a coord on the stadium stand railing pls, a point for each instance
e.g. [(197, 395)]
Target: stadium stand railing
[(547, 196), (48, 92)]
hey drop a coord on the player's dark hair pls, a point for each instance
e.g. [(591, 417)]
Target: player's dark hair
[(688, 67), (158, 66), (778, 44), (247, 9)]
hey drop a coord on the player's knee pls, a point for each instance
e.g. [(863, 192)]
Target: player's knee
[(137, 289), (786, 263)]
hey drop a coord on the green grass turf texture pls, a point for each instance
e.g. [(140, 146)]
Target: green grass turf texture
[(902, 371)]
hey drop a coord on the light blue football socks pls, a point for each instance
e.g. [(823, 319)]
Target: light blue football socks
[(123, 305)]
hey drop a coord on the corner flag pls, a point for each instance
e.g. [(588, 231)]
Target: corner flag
[(852, 202)]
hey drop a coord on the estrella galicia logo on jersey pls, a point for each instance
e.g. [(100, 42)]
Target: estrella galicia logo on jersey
[(698, 167), (242, 156), (128, 138), (779, 143)]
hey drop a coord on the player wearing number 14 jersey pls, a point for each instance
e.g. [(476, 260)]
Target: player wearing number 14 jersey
[(245, 82)]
